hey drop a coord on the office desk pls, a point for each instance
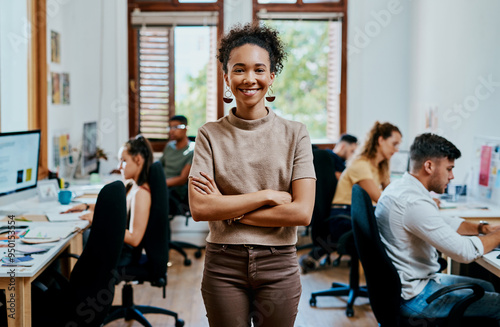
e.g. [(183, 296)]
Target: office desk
[(490, 262), (474, 212), (18, 286), (17, 280)]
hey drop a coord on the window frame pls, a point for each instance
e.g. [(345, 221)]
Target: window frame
[(300, 6), (133, 50)]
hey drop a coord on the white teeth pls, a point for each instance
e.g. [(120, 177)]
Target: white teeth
[(249, 92)]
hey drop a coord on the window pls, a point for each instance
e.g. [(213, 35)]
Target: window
[(154, 97), (308, 88), (194, 88), (173, 69), (311, 87)]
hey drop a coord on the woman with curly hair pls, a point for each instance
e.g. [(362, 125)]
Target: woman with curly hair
[(253, 180)]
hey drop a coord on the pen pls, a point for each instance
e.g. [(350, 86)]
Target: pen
[(26, 232)]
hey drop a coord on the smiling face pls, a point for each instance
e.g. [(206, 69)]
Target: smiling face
[(387, 147), (249, 76)]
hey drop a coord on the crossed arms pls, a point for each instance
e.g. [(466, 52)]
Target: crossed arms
[(265, 208)]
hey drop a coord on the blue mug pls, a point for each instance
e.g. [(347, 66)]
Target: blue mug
[(65, 196)]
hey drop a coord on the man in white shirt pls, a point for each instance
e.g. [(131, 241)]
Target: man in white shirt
[(412, 230)]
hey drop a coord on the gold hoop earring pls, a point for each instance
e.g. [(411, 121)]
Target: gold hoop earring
[(270, 97), (227, 97)]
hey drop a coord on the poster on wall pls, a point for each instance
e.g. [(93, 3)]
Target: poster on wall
[(65, 88), (484, 172), (55, 47), (56, 88)]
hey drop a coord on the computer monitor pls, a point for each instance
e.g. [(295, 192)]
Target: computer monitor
[(19, 154), (89, 148), (400, 163)]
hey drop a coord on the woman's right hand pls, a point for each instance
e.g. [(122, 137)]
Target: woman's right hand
[(276, 198), (88, 216), (78, 208)]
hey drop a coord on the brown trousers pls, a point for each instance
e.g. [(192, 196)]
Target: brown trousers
[(251, 283)]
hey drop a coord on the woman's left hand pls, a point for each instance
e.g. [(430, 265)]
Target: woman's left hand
[(205, 185)]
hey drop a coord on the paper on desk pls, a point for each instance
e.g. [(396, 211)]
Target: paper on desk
[(447, 205), (91, 200), (30, 249), (57, 216), (50, 232)]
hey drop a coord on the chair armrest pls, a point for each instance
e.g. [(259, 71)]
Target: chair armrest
[(337, 217), (71, 255), (459, 308)]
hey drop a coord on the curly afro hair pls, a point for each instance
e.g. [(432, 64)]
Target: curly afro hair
[(260, 35)]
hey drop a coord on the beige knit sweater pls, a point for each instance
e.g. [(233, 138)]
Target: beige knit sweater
[(245, 156)]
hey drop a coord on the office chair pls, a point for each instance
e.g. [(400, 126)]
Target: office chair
[(326, 184), (151, 266), (384, 285), (181, 207), (87, 297)]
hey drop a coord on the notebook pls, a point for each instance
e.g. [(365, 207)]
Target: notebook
[(57, 216)]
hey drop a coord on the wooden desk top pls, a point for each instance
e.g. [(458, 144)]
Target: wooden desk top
[(490, 262), (473, 210)]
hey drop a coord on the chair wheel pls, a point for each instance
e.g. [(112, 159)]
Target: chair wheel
[(187, 262), (197, 254), (179, 323), (312, 302), (349, 312)]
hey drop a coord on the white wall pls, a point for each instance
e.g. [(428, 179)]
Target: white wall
[(13, 66), (378, 72), (455, 49), (237, 12), (94, 52), (405, 57)]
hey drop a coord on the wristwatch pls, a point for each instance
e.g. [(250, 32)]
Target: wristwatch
[(480, 226)]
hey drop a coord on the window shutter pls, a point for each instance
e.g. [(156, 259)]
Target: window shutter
[(333, 80), (154, 82)]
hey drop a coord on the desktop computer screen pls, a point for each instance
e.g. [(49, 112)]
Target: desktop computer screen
[(400, 163), (19, 153), (89, 148)]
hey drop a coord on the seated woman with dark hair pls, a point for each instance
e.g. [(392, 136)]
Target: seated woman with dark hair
[(136, 157)]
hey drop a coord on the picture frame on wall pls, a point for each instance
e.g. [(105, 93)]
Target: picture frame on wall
[(47, 190), (65, 88), (55, 47), (56, 88)]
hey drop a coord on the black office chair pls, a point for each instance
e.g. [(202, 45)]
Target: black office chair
[(326, 184), (383, 281), (87, 297), (152, 266), (181, 207)]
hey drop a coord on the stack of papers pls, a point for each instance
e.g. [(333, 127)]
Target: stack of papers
[(17, 262), (30, 249), (49, 233)]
